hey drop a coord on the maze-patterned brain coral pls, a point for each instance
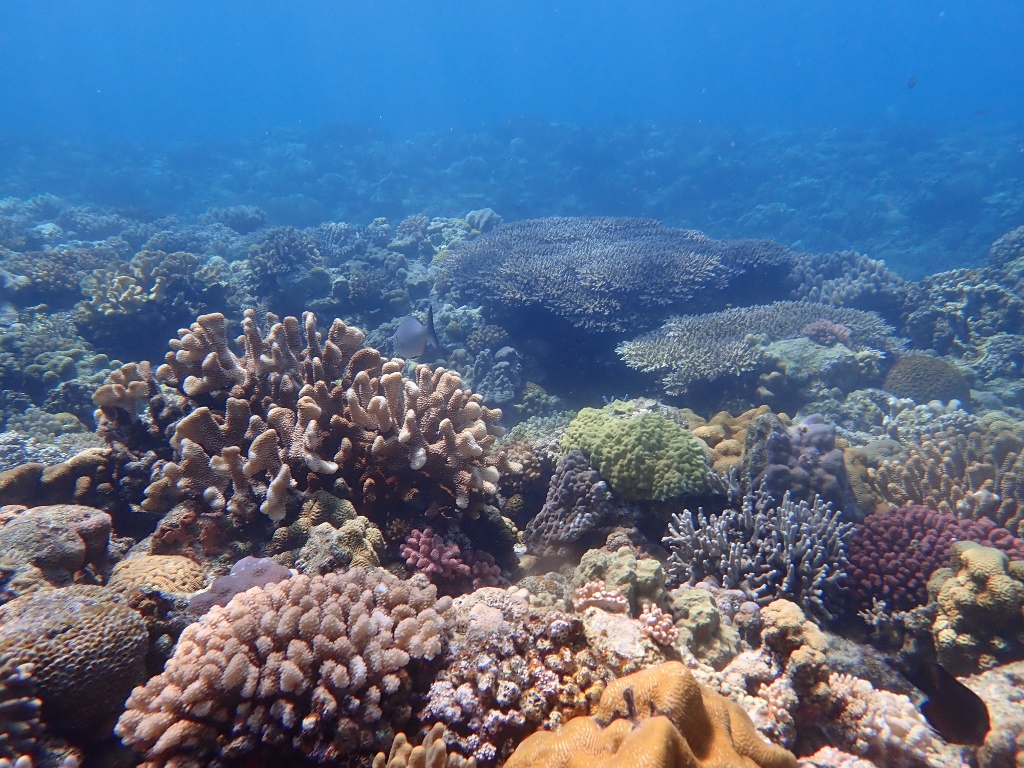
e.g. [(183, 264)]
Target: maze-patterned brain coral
[(168, 573), (87, 649)]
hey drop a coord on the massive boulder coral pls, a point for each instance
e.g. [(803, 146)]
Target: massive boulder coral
[(315, 665), (657, 717), (297, 412)]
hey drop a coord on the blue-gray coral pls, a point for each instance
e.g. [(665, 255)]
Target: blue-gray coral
[(795, 551), (694, 348), (498, 377), (605, 274)]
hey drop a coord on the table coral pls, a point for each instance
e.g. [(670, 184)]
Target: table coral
[(980, 619), (658, 717), (646, 456), (315, 666), (86, 647)]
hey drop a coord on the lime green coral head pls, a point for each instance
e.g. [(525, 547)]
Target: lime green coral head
[(646, 456)]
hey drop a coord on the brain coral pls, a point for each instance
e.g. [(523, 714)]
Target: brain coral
[(87, 649), (923, 379), (314, 666), (168, 573), (660, 717), (647, 456)]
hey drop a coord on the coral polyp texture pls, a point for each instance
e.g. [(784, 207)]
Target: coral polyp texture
[(298, 412), (606, 274), (315, 666), (719, 345), (657, 717)]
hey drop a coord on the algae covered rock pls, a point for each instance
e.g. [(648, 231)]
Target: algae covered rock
[(644, 456)]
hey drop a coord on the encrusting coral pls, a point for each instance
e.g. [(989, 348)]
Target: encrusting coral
[(313, 665), (298, 412), (660, 717)]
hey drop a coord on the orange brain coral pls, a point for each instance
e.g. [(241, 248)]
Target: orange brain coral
[(660, 717)]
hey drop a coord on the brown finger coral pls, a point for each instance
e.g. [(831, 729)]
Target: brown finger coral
[(315, 666), (660, 717)]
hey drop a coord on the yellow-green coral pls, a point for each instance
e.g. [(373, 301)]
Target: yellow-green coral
[(980, 618), (646, 456)]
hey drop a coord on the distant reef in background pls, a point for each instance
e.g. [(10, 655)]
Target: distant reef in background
[(922, 200)]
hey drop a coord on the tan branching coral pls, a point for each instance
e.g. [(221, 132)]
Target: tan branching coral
[(297, 413), (432, 753), (312, 665), (20, 726), (660, 717)]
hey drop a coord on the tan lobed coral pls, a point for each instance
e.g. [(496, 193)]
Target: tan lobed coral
[(432, 753), (86, 647), (980, 619), (327, 528), (659, 717), (20, 726), (311, 665), (328, 414), (167, 573)]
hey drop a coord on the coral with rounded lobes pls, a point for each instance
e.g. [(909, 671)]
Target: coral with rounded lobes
[(658, 625), (446, 564), (646, 456), (638, 581), (980, 599), (87, 649), (288, 417), (327, 535), (78, 480), (893, 554), (168, 573), (923, 379), (314, 666), (20, 726), (432, 753), (594, 594), (659, 717), (60, 540)]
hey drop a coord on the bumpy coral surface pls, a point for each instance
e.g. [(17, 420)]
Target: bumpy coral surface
[(167, 573), (646, 456), (980, 620), (86, 647), (60, 540), (20, 726), (657, 717), (923, 378), (315, 666)]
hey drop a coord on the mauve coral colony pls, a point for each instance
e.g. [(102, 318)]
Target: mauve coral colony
[(301, 551)]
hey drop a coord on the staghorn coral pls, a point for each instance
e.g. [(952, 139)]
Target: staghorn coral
[(657, 717), (315, 666), (796, 551), (86, 647), (969, 476), (167, 573), (605, 274), (578, 502), (980, 618), (646, 456), (710, 347), (288, 417), (923, 379), (893, 554)]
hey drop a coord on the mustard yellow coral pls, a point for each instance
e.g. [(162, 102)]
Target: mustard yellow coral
[(660, 717)]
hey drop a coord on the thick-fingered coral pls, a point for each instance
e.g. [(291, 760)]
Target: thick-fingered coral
[(329, 414), (645, 456), (980, 619), (660, 717), (86, 647), (923, 378), (893, 554), (849, 279), (804, 462), (167, 573), (314, 666), (711, 347), (59, 540), (432, 753), (446, 564), (964, 475), (578, 502), (594, 594), (606, 274), (795, 551), (20, 726)]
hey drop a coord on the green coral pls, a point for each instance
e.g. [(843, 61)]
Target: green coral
[(643, 456)]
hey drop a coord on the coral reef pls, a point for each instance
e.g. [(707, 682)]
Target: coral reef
[(313, 665), (432, 753), (794, 550), (646, 456), (893, 554), (849, 279), (719, 345), (167, 573), (446, 564), (980, 618), (247, 573), (922, 379), (605, 274), (661, 717)]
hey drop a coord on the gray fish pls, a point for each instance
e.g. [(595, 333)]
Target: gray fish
[(413, 338)]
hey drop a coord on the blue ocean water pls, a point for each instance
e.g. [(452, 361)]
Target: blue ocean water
[(892, 129)]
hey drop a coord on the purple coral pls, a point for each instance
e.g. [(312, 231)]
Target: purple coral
[(443, 561), (826, 333)]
